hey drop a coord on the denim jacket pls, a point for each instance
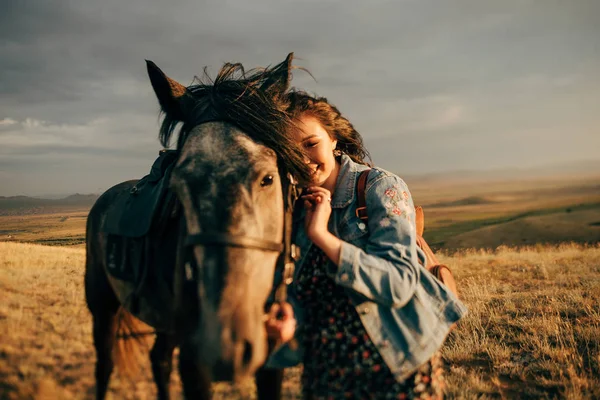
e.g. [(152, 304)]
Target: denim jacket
[(405, 310)]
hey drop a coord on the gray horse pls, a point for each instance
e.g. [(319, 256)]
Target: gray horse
[(221, 241)]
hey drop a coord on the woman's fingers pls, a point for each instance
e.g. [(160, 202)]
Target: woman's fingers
[(274, 310), (281, 311), (280, 323), (287, 312), (312, 199), (316, 197), (314, 189), (317, 194), (320, 190)]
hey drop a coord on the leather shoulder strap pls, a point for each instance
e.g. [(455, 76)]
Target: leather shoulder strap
[(420, 220), (361, 185)]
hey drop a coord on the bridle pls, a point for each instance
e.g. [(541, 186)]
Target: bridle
[(288, 251)]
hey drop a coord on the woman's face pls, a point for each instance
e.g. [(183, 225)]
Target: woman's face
[(318, 147)]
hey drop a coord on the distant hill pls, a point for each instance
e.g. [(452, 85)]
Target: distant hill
[(467, 201), (83, 199), (578, 170), (26, 204)]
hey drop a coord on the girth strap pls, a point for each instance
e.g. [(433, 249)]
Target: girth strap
[(224, 239)]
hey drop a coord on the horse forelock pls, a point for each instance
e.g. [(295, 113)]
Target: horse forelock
[(218, 165), (237, 97)]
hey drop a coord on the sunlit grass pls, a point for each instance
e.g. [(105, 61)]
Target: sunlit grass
[(534, 325), (60, 228), (533, 328)]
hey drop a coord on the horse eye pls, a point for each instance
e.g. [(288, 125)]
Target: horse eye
[(267, 181)]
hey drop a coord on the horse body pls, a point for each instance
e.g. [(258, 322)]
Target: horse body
[(222, 248)]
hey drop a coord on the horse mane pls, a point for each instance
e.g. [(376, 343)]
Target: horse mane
[(239, 97)]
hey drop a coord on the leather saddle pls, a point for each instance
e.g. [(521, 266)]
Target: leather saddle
[(133, 214), (137, 219)]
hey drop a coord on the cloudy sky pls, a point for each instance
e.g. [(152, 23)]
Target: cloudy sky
[(432, 86)]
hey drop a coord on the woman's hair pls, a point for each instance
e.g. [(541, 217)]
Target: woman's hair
[(338, 127)]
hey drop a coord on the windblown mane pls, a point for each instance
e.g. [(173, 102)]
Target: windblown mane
[(239, 97)]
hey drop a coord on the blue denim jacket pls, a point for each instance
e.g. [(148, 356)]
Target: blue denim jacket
[(405, 310)]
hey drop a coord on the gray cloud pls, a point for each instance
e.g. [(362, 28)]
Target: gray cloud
[(470, 84)]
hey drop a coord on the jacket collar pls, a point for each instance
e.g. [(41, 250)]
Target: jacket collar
[(345, 184)]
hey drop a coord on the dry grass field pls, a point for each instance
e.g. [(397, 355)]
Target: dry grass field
[(64, 228), (515, 213), (533, 330), (459, 214)]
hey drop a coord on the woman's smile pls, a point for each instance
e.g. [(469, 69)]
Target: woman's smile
[(318, 147)]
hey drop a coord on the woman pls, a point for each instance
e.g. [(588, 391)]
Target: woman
[(370, 318)]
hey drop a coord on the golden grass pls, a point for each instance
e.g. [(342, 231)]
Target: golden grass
[(489, 222), (534, 325), (449, 210), (46, 349), (539, 190), (45, 326), (533, 329), (58, 228)]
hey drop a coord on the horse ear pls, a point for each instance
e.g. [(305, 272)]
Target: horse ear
[(280, 76), (174, 98)]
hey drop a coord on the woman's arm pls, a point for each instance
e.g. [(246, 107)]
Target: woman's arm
[(387, 270)]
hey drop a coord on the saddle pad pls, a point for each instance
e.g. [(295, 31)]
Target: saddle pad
[(133, 213), (147, 262), (147, 272)]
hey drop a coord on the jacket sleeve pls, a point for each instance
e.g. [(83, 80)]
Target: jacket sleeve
[(387, 269)]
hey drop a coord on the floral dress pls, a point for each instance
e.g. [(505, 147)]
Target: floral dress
[(341, 361)]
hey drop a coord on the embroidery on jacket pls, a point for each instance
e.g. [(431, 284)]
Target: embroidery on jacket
[(385, 222), (396, 203)]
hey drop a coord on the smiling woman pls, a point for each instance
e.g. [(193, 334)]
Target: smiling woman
[(370, 318), (319, 147)]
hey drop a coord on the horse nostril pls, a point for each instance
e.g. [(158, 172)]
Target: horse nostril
[(247, 357)]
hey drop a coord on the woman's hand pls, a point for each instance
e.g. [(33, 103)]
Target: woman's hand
[(280, 322), (317, 202)]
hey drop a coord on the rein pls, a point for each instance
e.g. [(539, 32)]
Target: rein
[(291, 253)]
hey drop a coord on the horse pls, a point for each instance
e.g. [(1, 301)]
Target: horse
[(231, 186)]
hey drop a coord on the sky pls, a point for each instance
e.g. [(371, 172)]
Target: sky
[(433, 86)]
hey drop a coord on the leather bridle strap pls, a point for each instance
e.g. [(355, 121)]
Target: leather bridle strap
[(290, 252), (223, 239)]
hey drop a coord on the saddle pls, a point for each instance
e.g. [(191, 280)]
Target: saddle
[(132, 215), (433, 265), (137, 219)]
